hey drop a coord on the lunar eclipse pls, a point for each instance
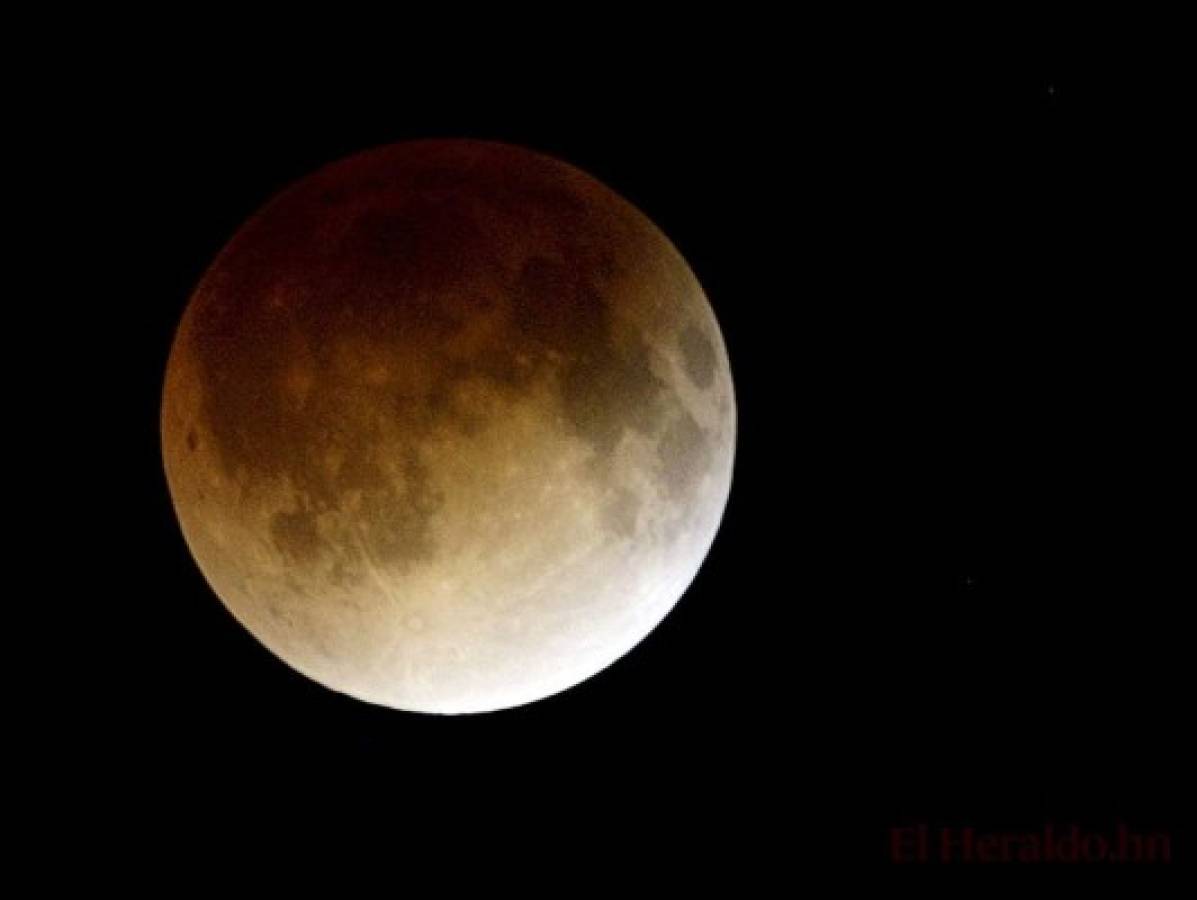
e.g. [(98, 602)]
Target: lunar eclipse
[(449, 426)]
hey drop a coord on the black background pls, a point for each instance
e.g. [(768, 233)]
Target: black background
[(946, 586)]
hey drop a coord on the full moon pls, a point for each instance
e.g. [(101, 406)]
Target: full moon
[(449, 426)]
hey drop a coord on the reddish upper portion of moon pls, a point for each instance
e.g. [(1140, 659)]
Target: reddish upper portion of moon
[(393, 315), (450, 261)]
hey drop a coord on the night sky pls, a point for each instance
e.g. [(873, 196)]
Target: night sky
[(946, 586)]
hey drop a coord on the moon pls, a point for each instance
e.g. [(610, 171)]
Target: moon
[(449, 426)]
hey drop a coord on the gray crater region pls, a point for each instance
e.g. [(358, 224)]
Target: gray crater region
[(449, 426)]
